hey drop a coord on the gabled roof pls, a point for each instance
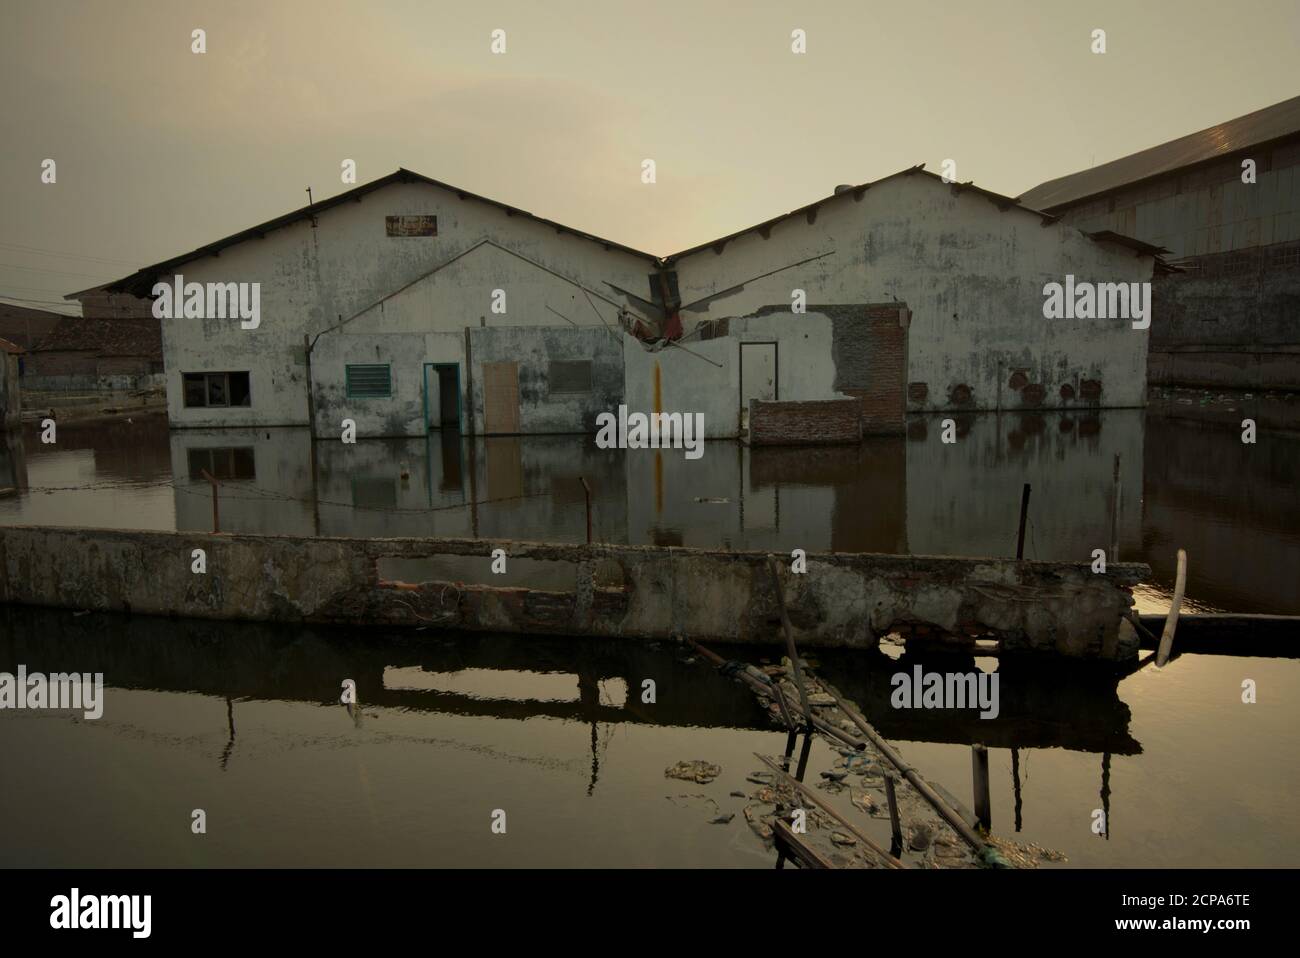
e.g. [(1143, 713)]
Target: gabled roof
[(105, 337), (141, 282), (997, 199), (1276, 122)]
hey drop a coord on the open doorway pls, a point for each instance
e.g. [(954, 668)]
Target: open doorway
[(442, 396)]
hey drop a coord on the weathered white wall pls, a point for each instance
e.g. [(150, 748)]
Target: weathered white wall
[(688, 383), (314, 277), (971, 274), (401, 414)]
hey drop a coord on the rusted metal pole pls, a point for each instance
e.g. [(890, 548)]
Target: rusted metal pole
[(1024, 512), (586, 493), (789, 642), (216, 513), (979, 760), (1171, 623)]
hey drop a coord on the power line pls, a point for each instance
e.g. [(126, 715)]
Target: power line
[(53, 252), (61, 272)]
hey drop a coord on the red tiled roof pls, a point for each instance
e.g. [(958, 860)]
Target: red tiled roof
[(105, 337)]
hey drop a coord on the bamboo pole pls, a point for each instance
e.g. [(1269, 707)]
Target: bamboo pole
[(1171, 623), (769, 689), (797, 848), (809, 794), (921, 785), (789, 642)]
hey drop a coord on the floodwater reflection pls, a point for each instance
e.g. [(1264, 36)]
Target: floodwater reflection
[(1183, 484)]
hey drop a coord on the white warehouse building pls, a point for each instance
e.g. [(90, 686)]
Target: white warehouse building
[(407, 305)]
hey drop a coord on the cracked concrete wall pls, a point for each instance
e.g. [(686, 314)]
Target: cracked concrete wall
[(543, 408), (707, 378), (843, 599), (971, 274)]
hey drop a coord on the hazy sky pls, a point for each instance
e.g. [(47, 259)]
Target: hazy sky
[(160, 150)]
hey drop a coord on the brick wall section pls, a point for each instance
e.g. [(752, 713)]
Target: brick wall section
[(883, 404), (62, 363), (824, 422)]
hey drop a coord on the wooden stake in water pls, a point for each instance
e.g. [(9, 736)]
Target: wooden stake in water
[(1114, 515), (895, 825), (1171, 623), (586, 493), (1024, 512), (216, 515), (980, 772)]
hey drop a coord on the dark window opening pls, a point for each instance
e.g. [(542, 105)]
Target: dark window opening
[(233, 462), (569, 376), (216, 389)]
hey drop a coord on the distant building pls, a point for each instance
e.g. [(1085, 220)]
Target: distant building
[(25, 326), (407, 304), (92, 354), (1231, 318)]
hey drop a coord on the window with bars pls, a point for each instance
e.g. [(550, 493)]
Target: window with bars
[(370, 380)]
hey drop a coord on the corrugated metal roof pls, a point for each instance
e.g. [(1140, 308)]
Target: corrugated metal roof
[(1271, 123)]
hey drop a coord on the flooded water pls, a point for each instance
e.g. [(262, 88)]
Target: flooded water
[(1183, 484), (243, 720)]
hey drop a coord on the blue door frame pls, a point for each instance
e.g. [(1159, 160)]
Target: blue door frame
[(455, 367)]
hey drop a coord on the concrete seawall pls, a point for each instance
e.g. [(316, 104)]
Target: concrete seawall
[(605, 590)]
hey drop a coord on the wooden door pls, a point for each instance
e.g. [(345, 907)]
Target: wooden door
[(501, 398)]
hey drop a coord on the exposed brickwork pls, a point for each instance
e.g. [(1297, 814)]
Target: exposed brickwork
[(883, 405), (804, 423)]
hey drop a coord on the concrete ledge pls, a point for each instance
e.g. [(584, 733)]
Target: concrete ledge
[(842, 600)]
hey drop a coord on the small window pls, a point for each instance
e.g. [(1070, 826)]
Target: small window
[(216, 389), (570, 377), (369, 381)]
